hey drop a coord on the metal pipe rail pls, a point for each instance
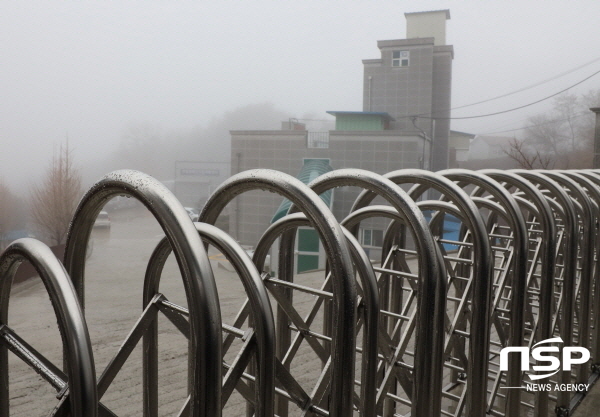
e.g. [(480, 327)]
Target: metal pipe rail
[(585, 268), (474, 395), (541, 232), (423, 331), (592, 186), (202, 298), (259, 340), (338, 378), (76, 386), (430, 287), (567, 272), (513, 259), (368, 303)]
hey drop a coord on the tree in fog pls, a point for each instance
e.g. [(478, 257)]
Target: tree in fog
[(11, 213), (528, 157), (146, 148), (54, 200), (153, 150), (213, 141), (560, 138)]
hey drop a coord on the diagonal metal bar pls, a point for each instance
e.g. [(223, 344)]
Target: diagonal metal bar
[(293, 389), (239, 364), (176, 315), (241, 317), (130, 342), (185, 410), (38, 362), (320, 390), (45, 368), (293, 315), (399, 352), (309, 318), (114, 366)]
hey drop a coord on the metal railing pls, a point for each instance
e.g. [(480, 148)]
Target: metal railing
[(318, 140), (424, 331)]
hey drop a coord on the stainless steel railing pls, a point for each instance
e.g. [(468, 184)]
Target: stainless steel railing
[(423, 331)]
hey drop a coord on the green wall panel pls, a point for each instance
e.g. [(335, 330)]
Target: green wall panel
[(358, 122), (307, 262), (308, 240)]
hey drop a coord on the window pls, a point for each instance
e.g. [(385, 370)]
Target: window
[(400, 58), (372, 237)]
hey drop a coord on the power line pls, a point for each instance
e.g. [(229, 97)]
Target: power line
[(428, 115), (575, 115), (507, 126), (509, 110), (530, 86)]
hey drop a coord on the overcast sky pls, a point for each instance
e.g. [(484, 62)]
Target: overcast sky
[(90, 69)]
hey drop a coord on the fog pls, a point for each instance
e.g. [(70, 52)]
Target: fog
[(106, 76)]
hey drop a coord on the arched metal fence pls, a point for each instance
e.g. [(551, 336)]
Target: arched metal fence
[(498, 318)]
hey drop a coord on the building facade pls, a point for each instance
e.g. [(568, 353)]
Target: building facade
[(194, 181), (489, 147), (404, 124), (412, 79), (459, 144), (288, 151)]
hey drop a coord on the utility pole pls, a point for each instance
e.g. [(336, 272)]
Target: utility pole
[(413, 119), (596, 164)]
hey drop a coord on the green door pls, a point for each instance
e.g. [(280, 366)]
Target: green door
[(308, 250)]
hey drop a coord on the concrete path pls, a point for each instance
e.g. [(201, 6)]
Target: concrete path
[(590, 406)]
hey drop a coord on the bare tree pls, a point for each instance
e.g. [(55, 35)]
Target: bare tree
[(11, 213), (559, 138), (53, 202), (526, 157)]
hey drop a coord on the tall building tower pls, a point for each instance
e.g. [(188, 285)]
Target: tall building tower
[(412, 82)]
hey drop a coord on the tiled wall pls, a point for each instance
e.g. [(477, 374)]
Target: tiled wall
[(401, 91), (285, 150)]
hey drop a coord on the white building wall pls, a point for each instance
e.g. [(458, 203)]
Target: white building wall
[(427, 24)]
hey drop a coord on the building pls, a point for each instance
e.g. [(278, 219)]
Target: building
[(404, 124), (459, 144), (195, 181), (412, 81), (489, 147), (490, 152)]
